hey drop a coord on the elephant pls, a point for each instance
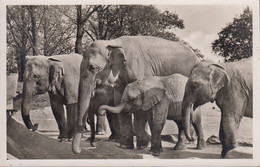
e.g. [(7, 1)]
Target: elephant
[(59, 76), (130, 58), (160, 97), (103, 94), (230, 85)]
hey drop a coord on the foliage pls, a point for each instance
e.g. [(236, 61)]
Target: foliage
[(112, 21), (235, 40), (11, 65), (53, 30)]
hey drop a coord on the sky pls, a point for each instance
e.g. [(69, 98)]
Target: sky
[(203, 23)]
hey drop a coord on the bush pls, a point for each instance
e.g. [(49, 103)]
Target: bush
[(11, 65)]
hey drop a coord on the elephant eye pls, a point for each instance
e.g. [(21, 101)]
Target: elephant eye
[(94, 68), (194, 86), (35, 76)]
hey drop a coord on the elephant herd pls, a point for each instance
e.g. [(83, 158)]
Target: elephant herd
[(151, 78)]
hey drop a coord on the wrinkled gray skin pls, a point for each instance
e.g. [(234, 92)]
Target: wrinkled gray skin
[(56, 75), (103, 94), (131, 58), (230, 84), (160, 98)]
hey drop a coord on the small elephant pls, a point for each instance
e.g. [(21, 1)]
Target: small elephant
[(59, 76), (162, 98), (230, 85), (103, 94)]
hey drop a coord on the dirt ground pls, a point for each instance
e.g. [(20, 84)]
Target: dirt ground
[(42, 114)]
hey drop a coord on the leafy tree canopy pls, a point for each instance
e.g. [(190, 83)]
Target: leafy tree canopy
[(235, 40)]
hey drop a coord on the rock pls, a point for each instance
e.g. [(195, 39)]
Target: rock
[(240, 153), (213, 140)]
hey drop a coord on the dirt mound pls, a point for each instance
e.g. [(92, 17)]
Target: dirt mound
[(24, 144)]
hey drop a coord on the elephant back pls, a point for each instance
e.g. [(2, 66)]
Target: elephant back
[(71, 64), (175, 87)]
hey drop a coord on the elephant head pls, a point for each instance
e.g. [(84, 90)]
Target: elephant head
[(99, 60), (41, 74), (139, 95), (205, 81)]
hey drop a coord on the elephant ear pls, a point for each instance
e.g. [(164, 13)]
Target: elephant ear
[(56, 73), (218, 78), (116, 57), (152, 97)]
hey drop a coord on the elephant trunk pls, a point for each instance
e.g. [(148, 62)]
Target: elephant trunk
[(115, 110), (86, 87), (26, 101)]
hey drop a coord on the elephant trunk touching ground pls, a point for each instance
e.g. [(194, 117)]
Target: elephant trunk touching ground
[(26, 101), (86, 86)]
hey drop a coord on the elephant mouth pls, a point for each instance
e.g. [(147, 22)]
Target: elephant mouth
[(195, 105)]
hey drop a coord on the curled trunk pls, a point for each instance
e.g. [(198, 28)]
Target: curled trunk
[(26, 101)]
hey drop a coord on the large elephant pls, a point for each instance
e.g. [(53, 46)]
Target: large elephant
[(159, 98), (59, 76), (131, 58), (230, 84)]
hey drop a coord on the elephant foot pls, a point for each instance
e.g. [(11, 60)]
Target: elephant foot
[(100, 133), (62, 137), (154, 152), (142, 145), (223, 153), (114, 137), (180, 147), (92, 144), (123, 146), (201, 145), (34, 127)]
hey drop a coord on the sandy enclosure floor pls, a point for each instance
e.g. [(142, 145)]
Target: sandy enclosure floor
[(210, 118)]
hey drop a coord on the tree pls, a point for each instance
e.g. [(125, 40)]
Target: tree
[(32, 11), (81, 20), (18, 39), (33, 30), (235, 40), (112, 21)]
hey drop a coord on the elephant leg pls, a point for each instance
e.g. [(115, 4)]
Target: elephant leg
[(221, 138), (229, 125), (59, 114), (113, 122), (196, 122), (142, 137), (91, 117), (100, 125), (156, 130), (71, 119), (182, 141), (125, 122)]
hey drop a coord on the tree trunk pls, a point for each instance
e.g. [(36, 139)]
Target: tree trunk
[(23, 46), (80, 32), (34, 29)]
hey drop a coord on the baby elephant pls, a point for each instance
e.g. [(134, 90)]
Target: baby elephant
[(161, 98)]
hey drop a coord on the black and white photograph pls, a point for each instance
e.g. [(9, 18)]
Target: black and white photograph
[(121, 83)]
